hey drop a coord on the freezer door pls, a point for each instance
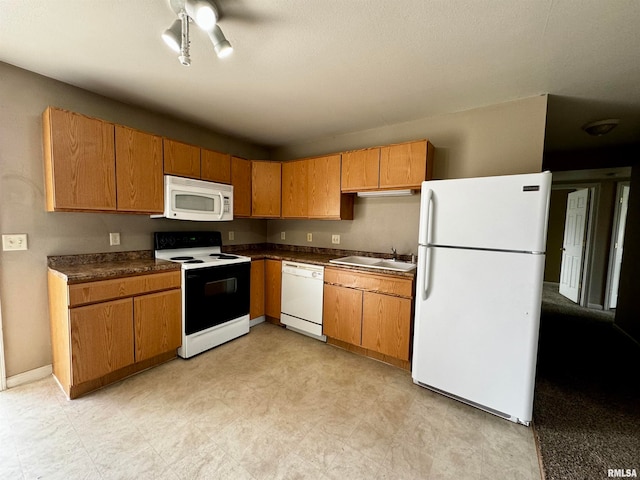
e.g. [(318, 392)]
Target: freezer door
[(507, 212), (476, 333)]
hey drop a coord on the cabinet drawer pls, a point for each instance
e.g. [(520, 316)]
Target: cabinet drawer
[(93, 292), (401, 287)]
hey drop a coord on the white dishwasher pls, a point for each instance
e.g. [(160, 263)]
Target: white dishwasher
[(301, 300)]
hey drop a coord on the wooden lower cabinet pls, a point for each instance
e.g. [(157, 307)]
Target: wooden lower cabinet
[(256, 308), (342, 313), (386, 324), (369, 314), (155, 325), (273, 289), (128, 329), (101, 339)]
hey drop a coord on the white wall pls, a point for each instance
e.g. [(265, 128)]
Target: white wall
[(497, 140), (23, 282)]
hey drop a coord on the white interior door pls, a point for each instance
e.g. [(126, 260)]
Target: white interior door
[(618, 246), (573, 244)]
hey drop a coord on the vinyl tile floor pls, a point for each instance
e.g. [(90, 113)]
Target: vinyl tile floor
[(270, 405)]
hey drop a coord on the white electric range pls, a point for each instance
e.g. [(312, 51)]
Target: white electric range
[(215, 288)]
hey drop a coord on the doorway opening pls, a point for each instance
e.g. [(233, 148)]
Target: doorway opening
[(586, 224)]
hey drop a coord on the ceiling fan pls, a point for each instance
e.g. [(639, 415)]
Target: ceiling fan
[(205, 14)]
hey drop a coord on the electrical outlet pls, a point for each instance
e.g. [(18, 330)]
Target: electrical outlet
[(14, 242), (232, 235), (309, 237), (335, 239), (282, 235), (114, 239)]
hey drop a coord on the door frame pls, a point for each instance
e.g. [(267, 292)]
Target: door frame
[(614, 236), (3, 372), (594, 200)]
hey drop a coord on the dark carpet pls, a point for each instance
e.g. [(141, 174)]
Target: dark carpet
[(587, 401)]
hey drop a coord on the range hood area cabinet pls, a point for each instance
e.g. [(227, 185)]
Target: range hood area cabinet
[(311, 189), (191, 161), (391, 167), (93, 165)]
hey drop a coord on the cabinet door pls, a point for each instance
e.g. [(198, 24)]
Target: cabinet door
[(294, 189), (265, 189), (139, 171), (325, 198), (101, 339), (215, 166), (360, 170), (273, 287), (386, 324), (342, 314), (403, 165), (157, 319), (181, 159), (80, 168), (256, 308), (241, 181)]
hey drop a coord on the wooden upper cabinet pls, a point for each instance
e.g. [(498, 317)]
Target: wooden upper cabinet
[(79, 158), (139, 174), (325, 198), (215, 166), (265, 189), (406, 165), (181, 159), (241, 181), (361, 170), (295, 176)]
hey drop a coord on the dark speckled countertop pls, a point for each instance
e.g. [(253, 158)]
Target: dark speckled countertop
[(103, 266), (315, 256)]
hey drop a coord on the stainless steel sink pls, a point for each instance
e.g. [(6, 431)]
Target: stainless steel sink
[(372, 262)]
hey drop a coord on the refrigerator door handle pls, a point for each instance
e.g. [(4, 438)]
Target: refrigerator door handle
[(427, 200), (425, 209), (425, 267)]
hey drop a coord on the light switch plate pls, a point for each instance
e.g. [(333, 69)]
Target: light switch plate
[(309, 237), (335, 239), (282, 235), (17, 241), (232, 235)]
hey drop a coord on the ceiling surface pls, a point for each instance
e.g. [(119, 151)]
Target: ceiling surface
[(306, 69)]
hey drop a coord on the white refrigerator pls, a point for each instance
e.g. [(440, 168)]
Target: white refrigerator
[(479, 290)]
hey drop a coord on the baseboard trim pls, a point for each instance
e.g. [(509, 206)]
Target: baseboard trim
[(595, 306), (29, 376), (255, 321)]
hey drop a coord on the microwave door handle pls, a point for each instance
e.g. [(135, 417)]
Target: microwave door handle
[(221, 205)]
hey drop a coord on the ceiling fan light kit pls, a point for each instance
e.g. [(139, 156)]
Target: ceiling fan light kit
[(205, 14)]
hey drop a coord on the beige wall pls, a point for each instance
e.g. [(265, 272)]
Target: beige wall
[(23, 290), (500, 139)]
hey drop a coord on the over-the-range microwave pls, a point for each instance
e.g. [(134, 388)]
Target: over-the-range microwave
[(189, 199)]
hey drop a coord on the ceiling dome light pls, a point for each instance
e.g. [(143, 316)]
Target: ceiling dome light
[(601, 127), (171, 36), (203, 12), (220, 43)]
